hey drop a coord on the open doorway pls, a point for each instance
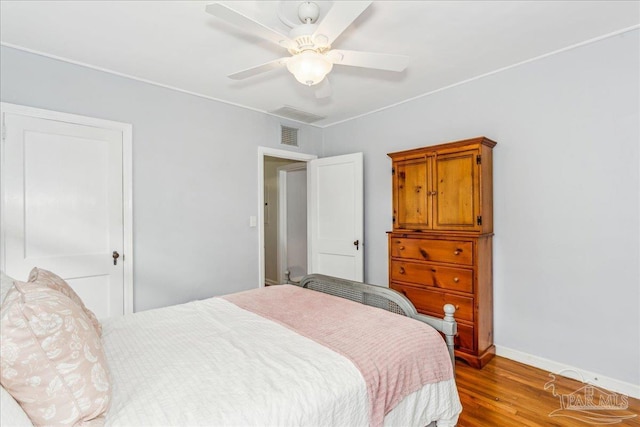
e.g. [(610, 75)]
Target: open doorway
[(335, 215), (269, 160), (292, 222), (283, 218)]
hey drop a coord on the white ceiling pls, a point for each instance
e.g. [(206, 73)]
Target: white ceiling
[(177, 44)]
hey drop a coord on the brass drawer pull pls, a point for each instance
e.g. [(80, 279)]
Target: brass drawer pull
[(402, 270), (455, 279), (457, 252), (401, 248)]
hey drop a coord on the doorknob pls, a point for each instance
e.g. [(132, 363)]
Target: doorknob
[(357, 244), (115, 255)]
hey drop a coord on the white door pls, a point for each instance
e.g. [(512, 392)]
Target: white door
[(335, 216), (63, 206)]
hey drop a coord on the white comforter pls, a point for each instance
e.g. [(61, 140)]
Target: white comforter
[(212, 363)]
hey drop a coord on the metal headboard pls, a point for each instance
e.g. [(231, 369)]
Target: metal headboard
[(384, 298)]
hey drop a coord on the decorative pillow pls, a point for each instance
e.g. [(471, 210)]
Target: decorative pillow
[(51, 358), (54, 281)]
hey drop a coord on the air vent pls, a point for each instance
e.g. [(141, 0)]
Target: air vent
[(288, 136), (298, 115)]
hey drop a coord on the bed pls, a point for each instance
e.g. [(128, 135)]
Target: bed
[(319, 353)]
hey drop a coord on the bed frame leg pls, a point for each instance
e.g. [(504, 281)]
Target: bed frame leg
[(449, 310)]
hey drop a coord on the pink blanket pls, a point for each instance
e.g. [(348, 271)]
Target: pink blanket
[(396, 355)]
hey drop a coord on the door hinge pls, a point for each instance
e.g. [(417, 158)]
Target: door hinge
[(478, 159), (4, 129), (479, 219)]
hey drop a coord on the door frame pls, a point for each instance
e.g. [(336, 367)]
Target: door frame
[(283, 154), (127, 189), (282, 214)]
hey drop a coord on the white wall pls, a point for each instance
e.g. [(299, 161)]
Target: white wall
[(566, 196), (194, 172)]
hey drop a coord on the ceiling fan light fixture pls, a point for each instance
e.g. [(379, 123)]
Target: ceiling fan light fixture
[(309, 67)]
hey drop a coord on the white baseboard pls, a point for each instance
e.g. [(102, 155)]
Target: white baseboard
[(611, 384)]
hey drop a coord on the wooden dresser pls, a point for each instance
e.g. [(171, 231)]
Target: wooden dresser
[(440, 249)]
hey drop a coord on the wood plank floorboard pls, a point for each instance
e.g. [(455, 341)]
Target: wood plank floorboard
[(507, 393)]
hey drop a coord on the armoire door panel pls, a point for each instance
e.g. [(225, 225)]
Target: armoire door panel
[(456, 185), (412, 207)]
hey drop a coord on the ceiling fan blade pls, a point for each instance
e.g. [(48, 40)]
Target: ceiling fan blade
[(248, 24), (339, 17), (323, 89), (379, 61), (259, 69)]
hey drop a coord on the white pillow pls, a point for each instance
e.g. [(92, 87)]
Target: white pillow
[(6, 283), (12, 414)]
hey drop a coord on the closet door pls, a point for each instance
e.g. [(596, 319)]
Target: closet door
[(63, 205)]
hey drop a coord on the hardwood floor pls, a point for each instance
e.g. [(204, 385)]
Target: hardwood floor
[(508, 393)]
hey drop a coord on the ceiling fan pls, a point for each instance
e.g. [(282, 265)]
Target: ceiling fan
[(309, 44)]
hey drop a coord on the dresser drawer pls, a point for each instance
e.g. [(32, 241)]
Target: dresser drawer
[(450, 251), (457, 279), (464, 338), (432, 301)]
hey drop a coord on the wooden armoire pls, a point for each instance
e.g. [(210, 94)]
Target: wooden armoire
[(440, 248)]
